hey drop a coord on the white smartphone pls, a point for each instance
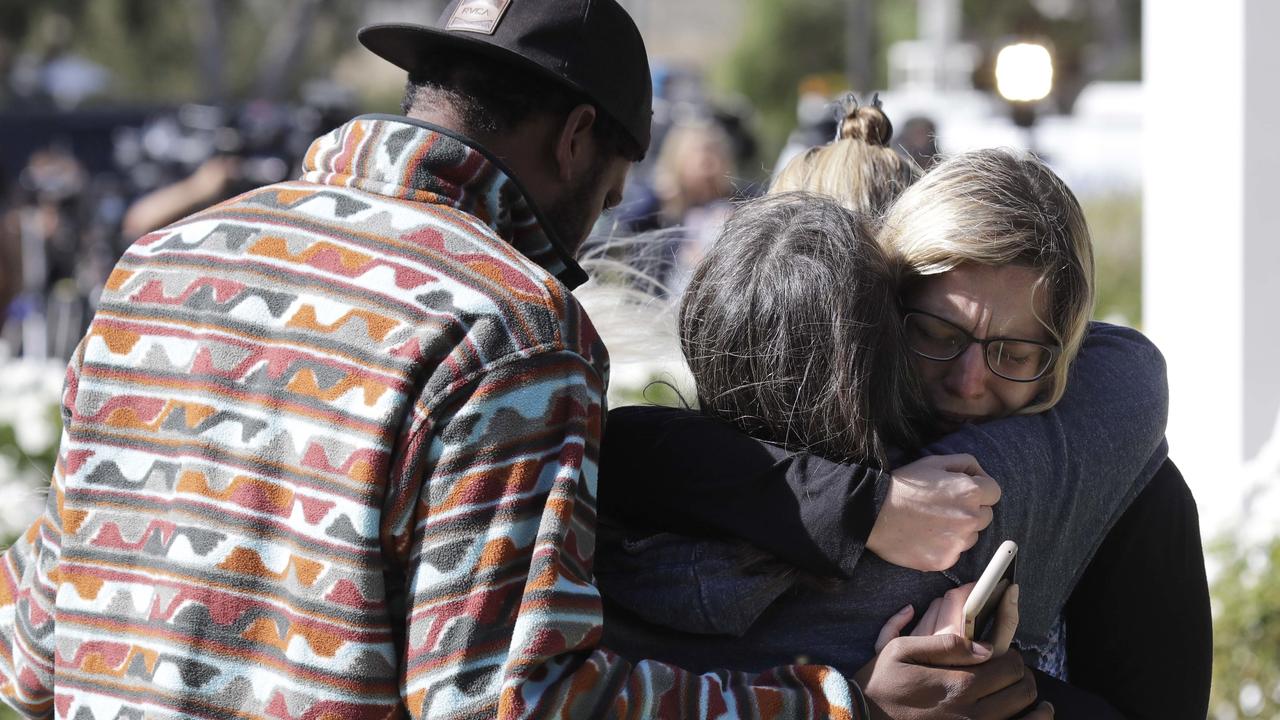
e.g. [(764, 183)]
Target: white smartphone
[(985, 598)]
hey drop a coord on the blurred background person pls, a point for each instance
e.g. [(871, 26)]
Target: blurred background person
[(816, 120), (858, 169), (918, 140), (10, 278), (679, 211)]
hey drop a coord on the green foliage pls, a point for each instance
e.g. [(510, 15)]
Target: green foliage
[(1246, 631), (783, 43), (152, 49), (149, 54), (1115, 222), (657, 390)]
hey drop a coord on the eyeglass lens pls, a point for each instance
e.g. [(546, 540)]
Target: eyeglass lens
[(937, 339)]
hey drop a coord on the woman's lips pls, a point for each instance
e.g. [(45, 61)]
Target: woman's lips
[(957, 420)]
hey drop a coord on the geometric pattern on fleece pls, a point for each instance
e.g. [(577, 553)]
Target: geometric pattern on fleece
[(329, 451)]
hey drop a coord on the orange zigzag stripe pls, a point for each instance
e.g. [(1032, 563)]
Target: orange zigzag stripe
[(248, 562), (378, 326), (304, 382)]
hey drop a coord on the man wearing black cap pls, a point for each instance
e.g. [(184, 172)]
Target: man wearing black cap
[(330, 446)]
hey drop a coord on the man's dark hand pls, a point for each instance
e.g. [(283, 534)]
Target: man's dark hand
[(945, 677)]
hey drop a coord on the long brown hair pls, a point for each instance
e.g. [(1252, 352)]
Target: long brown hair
[(790, 328)]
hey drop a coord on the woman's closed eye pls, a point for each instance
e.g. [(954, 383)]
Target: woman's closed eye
[(1006, 354)]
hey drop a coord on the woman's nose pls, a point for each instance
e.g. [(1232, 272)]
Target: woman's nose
[(968, 373)]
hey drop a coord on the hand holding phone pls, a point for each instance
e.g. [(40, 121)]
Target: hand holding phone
[(990, 589), (986, 610)]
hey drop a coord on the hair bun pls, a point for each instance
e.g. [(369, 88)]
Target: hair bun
[(867, 123)]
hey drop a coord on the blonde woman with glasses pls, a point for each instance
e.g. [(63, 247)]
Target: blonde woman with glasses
[(1066, 417)]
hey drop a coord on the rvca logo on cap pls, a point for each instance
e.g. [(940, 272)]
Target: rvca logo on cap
[(481, 16)]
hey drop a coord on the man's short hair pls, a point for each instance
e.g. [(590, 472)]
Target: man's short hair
[(492, 96)]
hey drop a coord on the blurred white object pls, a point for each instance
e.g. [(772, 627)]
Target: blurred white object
[(1260, 507), (1210, 255), (30, 392), (1024, 72)]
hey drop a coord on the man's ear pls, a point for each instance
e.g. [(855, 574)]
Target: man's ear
[(574, 144)]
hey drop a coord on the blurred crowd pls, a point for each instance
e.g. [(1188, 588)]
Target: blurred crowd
[(705, 158), (80, 186)]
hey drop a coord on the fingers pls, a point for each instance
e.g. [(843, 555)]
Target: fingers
[(1011, 699), (893, 627), (959, 463), (1006, 622), (988, 489), (929, 621), (1000, 673), (951, 610), (1043, 711), (940, 650), (985, 515), (934, 511)]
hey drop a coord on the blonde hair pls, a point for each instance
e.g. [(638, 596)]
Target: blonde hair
[(997, 207), (859, 170), (680, 142)]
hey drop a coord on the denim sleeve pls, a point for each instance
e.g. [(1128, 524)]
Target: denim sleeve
[(1067, 474)]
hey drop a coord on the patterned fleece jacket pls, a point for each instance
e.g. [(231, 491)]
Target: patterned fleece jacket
[(329, 451)]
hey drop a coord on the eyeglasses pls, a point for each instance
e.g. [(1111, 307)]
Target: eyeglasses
[(934, 338)]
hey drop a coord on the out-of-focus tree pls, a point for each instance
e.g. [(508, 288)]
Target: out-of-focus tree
[(780, 44), (784, 42), (211, 50)]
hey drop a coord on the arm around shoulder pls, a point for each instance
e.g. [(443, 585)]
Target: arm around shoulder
[(672, 470), (503, 619), (1068, 473)]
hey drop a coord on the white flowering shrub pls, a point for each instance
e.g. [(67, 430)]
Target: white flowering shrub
[(1245, 569), (30, 427), (639, 328)]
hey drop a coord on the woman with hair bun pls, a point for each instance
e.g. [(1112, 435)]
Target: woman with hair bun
[(994, 315), (859, 170)]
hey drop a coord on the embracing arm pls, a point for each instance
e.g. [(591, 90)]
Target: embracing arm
[(1068, 473), (676, 470), (502, 616), (683, 472), (680, 471)]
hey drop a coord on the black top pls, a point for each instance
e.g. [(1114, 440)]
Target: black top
[(744, 489)]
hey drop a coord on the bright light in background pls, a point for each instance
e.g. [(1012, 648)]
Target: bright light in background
[(1024, 72)]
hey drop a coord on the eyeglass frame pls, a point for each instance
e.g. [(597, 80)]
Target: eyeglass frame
[(1054, 350)]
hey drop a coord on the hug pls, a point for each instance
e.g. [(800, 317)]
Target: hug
[(850, 349), (339, 447)]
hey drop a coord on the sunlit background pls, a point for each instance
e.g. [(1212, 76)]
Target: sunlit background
[(115, 114)]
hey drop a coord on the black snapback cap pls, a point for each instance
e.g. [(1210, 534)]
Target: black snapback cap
[(592, 46)]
